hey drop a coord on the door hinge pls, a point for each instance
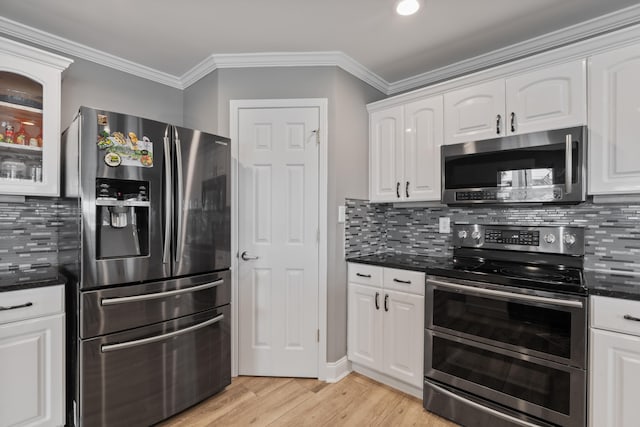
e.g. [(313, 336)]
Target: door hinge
[(317, 133), (318, 335)]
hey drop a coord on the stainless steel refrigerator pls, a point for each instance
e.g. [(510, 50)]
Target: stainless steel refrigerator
[(148, 309)]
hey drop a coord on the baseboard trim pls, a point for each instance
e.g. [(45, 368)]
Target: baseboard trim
[(387, 380), (337, 370)]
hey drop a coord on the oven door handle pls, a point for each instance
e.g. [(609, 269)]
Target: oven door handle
[(156, 295), (481, 407), (510, 295), (135, 343)]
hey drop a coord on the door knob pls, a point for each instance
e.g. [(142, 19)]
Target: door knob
[(248, 258)]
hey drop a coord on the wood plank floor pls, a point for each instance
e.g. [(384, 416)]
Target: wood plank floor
[(264, 401)]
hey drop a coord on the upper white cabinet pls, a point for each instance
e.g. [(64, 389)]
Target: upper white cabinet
[(404, 158), (549, 98), (30, 82), (614, 122)]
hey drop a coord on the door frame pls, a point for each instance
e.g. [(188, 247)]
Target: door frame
[(234, 109)]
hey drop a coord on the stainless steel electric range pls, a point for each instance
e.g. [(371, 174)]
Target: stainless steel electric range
[(506, 328)]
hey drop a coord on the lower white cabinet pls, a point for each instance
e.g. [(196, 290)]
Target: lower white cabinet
[(386, 325), (615, 363), (32, 372)]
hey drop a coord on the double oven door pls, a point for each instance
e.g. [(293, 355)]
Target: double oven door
[(521, 351)]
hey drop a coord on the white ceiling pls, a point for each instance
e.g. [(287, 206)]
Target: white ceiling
[(174, 36)]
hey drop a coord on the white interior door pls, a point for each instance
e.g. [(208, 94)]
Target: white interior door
[(278, 241)]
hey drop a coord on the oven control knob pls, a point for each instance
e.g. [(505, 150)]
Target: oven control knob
[(550, 238), (462, 234), (569, 239), (475, 235)]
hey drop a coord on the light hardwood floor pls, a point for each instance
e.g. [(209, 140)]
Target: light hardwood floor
[(264, 401)]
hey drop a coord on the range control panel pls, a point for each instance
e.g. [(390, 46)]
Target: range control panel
[(549, 239)]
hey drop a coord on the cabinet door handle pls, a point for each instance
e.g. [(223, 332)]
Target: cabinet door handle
[(13, 307), (377, 303), (386, 303), (498, 124), (368, 276), (630, 317), (406, 189), (513, 122), (406, 282), (398, 189)]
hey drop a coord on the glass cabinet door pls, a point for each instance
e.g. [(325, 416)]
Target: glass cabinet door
[(21, 142), (30, 101)]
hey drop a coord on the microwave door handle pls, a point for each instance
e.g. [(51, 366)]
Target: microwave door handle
[(168, 199), (179, 200), (568, 167)]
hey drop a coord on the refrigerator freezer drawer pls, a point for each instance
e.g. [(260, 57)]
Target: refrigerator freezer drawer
[(142, 376), (117, 309)]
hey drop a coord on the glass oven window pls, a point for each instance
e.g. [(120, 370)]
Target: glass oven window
[(524, 167), (537, 384), (537, 328)]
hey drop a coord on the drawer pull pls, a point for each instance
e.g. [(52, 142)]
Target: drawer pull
[(406, 282), (13, 307), (368, 276), (156, 295), (630, 317)]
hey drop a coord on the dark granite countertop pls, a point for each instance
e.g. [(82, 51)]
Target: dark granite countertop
[(401, 261), (13, 280), (614, 285)]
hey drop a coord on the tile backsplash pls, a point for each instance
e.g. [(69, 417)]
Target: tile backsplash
[(38, 232), (612, 231)]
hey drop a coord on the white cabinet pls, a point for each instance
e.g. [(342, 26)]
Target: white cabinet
[(32, 391), (386, 322), (614, 363), (30, 82), (549, 98), (614, 122), (404, 159)]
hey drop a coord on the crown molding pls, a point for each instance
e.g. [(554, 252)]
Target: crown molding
[(617, 20), (284, 59), (581, 31), (34, 54), (42, 38)]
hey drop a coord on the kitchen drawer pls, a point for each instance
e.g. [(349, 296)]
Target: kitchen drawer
[(30, 303), (365, 274), (404, 280), (609, 313)]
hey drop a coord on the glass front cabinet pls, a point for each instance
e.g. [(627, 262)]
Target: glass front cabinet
[(30, 82)]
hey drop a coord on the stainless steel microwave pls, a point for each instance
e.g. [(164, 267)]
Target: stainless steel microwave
[(541, 167)]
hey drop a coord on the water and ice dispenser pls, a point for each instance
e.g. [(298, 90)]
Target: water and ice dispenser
[(122, 213)]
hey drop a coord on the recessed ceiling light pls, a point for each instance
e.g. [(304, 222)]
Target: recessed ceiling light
[(407, 7)]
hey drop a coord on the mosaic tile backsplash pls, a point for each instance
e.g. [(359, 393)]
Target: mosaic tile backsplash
[(37, 233), (612, 231)]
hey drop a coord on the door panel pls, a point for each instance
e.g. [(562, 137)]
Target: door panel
[(202, 232), (423, 138), (385, 158), (278, 272), (475, 113), (551, 98), (111, 271), (365, 319)]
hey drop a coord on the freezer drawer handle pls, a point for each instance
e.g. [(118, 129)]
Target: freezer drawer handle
[(13, 307), (135, 343), (480, 407), (510, 295), (155, 295), (630, 317)]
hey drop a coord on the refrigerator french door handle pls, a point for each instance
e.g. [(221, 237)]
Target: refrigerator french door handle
[(168, 199), (179, 199)]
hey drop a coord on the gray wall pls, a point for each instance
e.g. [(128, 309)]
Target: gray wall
[(206, 106), (87, 83)]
